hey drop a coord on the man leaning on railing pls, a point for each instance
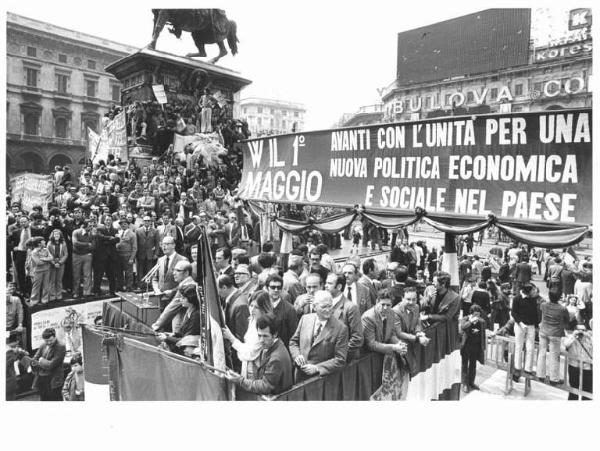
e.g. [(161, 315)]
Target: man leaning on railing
[(579, 346)]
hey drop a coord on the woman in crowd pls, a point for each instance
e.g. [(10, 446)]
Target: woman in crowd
[(249, 349), (190, 324), (58, 250)]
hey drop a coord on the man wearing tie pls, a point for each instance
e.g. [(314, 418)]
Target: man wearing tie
[(408, 324), (379, 328), (147, 247), (174, 311), (320, 344), (356, 292), (223, 262), (163, 281)]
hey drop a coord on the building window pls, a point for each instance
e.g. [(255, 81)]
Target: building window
[(427, 102), (31, 51), (90, 123), (519, 89), (283, 125), (494, 93), (259, 120), (259, 110), (32, 121), (271, 124), (60, 126), (470, 97), (245, 110), (537, 86), (62, 83), (62, 58), (90, 88), (296, 114), (284, 113), (447, 99), (116, 93), (92, 64), (31, 77)]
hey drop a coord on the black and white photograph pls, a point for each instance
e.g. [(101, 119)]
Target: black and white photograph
[(362, 204)]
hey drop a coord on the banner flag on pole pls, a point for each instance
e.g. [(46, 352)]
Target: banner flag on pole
[(212, 317)]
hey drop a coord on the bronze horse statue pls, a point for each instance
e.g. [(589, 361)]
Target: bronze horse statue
[(207, 26)]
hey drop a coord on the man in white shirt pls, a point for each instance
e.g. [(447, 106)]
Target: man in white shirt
[(354, 291)]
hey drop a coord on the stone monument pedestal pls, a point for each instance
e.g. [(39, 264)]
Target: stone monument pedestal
[(151, 124)]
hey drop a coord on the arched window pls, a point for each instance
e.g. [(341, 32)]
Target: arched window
[(59, 160), (32, 162), (60, 125)]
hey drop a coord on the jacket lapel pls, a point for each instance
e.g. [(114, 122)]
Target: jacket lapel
[(324, 332)]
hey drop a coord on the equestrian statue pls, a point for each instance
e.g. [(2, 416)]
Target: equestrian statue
[(207, 26)]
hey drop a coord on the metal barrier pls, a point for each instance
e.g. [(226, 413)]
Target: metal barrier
[(500, 354)]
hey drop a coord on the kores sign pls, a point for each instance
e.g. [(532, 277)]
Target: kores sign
[(572, 50)]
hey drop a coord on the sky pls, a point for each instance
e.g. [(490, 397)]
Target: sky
[(330, 56)]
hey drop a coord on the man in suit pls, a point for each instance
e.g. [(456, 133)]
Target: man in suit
[(127, 249), (163, 280), (17, 241), (444, 303), (369, 278), (346, 312), (147, 247), (233, 230), (282, 309), (320, 344), (245, 283), (273, 372), (522, 274), (354, 291), (47, 365), (235, 306), (174, 311), (408, 324), (223, 262), (379, 328), (166, 229), (291, 278)]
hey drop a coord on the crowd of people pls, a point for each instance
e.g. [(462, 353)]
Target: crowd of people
[(121, 227)]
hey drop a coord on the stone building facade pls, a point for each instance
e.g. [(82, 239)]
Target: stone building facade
[(268, 116), (56, 88)]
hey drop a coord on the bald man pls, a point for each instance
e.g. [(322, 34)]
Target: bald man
[(163, 282), (320, 344)]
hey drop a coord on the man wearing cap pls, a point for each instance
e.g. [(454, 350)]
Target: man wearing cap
[(127, 249), (147, 247), (291, 278)]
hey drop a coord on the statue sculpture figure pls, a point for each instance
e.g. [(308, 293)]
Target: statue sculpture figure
[(207, 26)]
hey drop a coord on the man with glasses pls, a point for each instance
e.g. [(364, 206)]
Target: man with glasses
[(320, 344), (242, 279), (284, 311), (174, 310), (316, 266)]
